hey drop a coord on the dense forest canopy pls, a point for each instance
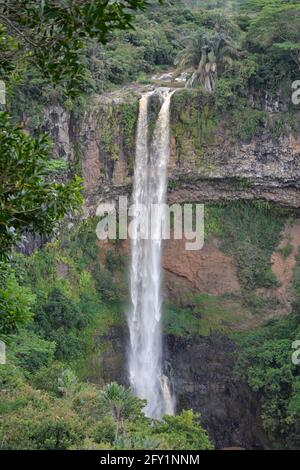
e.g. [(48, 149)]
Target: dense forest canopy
[(64, 52), (52, 66)]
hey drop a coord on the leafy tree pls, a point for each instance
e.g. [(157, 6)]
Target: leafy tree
[(50, 35), (294, 404), (11, 58), (30, 351), (275, 25), (183, 432), (48, 377), (29, 201), (105, 430), (41, 431), (16, 302), (265, 362), (61, 320), (11, 378), (60, 312), (68, 383), (53, 33)]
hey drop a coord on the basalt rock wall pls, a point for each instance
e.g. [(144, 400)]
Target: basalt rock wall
[(213, 157)]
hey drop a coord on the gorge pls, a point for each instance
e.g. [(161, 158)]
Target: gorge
[(206, 295)]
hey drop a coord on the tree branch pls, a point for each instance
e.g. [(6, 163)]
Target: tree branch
[(17, 30)]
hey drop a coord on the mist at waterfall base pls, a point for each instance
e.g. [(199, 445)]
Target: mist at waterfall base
[(150, 180)]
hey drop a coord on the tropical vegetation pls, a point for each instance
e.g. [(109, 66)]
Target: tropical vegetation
[(55, 302)]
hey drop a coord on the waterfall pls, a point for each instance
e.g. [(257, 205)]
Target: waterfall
[(150, 180)]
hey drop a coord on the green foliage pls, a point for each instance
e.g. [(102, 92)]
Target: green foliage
[(10, 70), (276, 353), (183, 432), (56, 166), (114, 261), (180, 322), (294, 404), (119, 120), (129, 122), (28, 200), (42, 432), (272, 34), (274, 17), (265, 361), (33, 420), (250, 233), (203, 315), (192, 119), (224, 94), (88, 60), (105, 431), (232, 88), (254, 52), (84, 419), (254, 266), (16, 302), (278, 128), (61, 320), (247, 123), (120, 402), (31, 352), (55, 34), (60, 312), (10, 378), (210, 49), (68, 383), (76, 295), (48, 378)]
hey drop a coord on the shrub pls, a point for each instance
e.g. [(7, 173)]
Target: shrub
[(60, 319), (46, 378), (32, 352), (265, 362), (248, 123), (105, 430), (36, 431), (183, 432), (15, 303), (224, 94), (59, 312), (10, 377)]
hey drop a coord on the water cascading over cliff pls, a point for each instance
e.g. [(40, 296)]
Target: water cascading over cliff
[(150, 179)]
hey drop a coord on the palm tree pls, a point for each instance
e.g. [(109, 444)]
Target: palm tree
[(209, 51), (121, 403)]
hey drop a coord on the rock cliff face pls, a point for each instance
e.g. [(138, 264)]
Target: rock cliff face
[(57, 121), (204, 380), (211, 165), (208, 162), (207, 271)]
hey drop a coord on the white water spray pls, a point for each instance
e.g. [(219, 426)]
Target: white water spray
[(150, 180)]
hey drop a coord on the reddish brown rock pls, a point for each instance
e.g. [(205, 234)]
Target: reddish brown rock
[(207, 271)]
